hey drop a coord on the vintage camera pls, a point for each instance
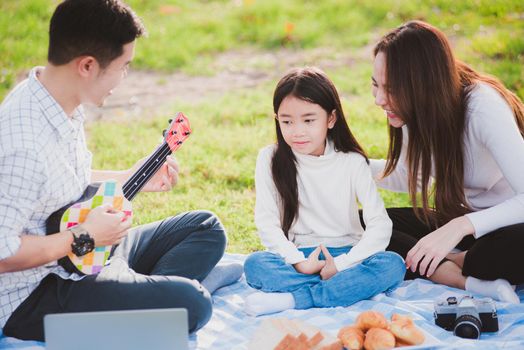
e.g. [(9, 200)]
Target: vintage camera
[(467, 317)]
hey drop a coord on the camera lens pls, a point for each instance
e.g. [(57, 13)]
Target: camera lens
[(467, 326)]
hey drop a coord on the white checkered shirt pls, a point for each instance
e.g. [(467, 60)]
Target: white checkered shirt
[(44, 165)]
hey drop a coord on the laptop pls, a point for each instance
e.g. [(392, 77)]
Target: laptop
[(158, 329)]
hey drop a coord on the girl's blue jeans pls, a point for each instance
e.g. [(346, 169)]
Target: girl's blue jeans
[(380, 272)]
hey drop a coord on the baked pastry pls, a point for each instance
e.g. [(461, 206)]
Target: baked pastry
[(404, 319), (286, 334), (379, 339), (371, 319), (399, 344), (405, 330), (352, 337)]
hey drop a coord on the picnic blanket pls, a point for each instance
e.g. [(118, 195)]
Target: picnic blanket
[(230, 328)]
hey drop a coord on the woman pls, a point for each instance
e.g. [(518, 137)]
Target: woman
[(456, 146)]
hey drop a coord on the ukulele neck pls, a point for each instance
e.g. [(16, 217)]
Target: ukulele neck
[(146, 171)]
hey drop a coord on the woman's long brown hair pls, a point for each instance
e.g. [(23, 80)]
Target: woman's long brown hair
[(429, 89), (312, 85)]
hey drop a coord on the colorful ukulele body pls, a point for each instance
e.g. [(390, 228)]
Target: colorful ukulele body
[(110, 192)]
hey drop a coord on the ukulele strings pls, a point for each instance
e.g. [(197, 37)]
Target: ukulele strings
[(145, 172), (133, 185)]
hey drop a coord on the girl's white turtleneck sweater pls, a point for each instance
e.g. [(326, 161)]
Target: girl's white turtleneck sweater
[(330, 188)]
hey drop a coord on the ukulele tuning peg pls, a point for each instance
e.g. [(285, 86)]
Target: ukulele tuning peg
[(173, 132), (170, 121), (187, 133), (164, 132)]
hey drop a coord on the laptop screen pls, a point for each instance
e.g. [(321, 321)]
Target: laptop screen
[(157, 329)]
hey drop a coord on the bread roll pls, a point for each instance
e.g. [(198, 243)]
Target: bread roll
[(352, 337), (402, 319), (399, 344), (371, 319), (379, 339), (406, 332)]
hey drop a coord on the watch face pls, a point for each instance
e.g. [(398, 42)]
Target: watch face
[(83, 250)]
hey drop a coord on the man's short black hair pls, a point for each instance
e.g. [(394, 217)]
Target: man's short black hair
[(98, 28)]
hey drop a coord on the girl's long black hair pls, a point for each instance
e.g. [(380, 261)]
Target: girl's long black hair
[(312, 85)]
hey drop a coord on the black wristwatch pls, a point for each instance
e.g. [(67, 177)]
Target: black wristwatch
[(83, 243)]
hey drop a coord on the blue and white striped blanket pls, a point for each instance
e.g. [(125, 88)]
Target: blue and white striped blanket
[(230, 328)]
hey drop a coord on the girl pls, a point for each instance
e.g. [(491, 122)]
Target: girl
[(466, 134), (307, 187)]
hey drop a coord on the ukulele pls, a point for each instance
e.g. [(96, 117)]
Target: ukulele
[(110, 192)]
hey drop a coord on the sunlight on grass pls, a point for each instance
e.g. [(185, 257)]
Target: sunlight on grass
[(184, 32), (218, 160)]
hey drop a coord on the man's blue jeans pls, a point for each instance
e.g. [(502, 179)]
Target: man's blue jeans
[(380, 272), (158, 265)]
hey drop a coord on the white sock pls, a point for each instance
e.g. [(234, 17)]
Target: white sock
[(222, 275), (499, 289), (261, 303)]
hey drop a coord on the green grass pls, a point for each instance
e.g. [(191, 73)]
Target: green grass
[(218, 160), (217, 163), (183, 34)]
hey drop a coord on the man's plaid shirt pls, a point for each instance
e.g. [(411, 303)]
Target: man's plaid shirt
[(44, 165)]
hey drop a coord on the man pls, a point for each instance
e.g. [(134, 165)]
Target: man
[(44, 165)]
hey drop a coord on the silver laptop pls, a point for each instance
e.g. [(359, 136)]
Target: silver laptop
[(158, 329)]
